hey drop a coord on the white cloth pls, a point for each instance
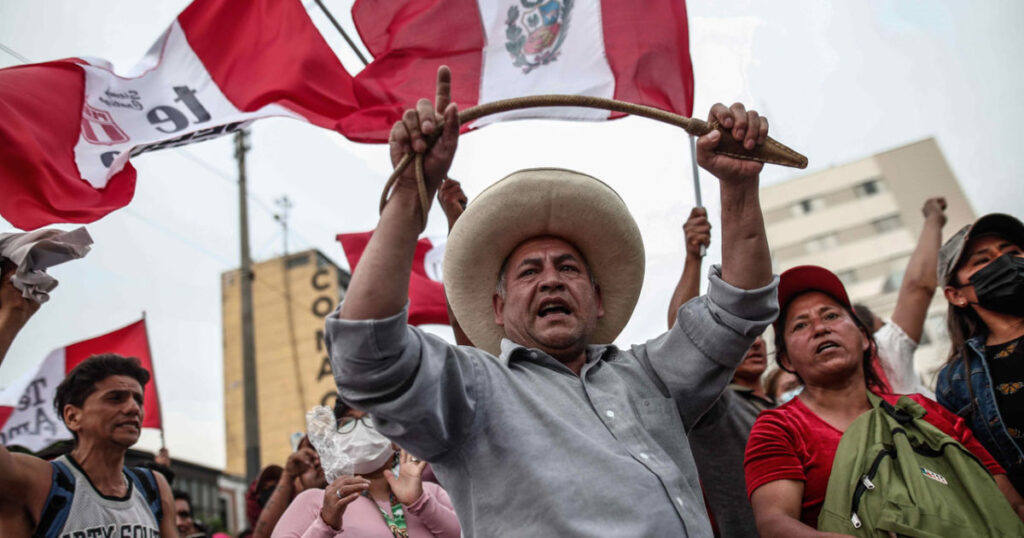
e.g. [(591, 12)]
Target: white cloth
[(896, 351), (34, 252)]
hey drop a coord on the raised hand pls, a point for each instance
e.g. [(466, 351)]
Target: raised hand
[(417, 127), (935, 208), (301, 461), (408, 485), (14, 307), (338, 495), (697, 230), (452, 199), (745, 126)]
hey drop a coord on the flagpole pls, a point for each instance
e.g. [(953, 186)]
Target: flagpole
[(250, 396), (696, 182), (341, 30), (152, 365)]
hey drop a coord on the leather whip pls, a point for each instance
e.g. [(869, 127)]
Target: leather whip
[(771, 152)]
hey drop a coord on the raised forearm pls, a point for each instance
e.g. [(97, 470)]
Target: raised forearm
[(919, 280), (380, 283), (746, 260), (275, 507), (687, 288)]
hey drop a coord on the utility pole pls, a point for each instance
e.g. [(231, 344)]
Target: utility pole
[(250, 399), (286, 205)]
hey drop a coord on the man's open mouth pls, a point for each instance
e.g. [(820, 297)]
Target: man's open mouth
[(553, 306)]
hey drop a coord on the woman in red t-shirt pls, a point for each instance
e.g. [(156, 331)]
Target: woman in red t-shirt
[(791, 448)]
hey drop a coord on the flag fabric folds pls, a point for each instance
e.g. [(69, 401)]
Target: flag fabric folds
[(630, 51), (27, 415), (426, 294), (69, 127)]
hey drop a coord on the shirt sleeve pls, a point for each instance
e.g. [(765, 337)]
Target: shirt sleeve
[(896, 353), (422, 392), (696, 358), (302, 518), (771, 453), (434, 509)]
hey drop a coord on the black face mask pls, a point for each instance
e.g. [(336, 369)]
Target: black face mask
[(1000, 285)]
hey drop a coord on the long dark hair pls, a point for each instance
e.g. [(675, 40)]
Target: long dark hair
[(871, 378)]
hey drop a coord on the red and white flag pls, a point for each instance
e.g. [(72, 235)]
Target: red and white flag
[(631, 51), (426, 293), (68, 127), (27, 416)]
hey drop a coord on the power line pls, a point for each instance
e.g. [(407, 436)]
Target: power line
[(14, 53)]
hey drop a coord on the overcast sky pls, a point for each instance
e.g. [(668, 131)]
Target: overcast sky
[(838, 80)]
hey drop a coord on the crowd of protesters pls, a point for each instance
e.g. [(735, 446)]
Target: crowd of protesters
[(535, 424)]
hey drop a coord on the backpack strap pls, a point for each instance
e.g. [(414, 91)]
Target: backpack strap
[(58, 502), (147, 484)]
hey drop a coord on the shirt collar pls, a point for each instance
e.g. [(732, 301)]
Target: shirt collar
[(512, 351)]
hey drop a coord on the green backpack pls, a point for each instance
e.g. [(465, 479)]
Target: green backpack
[(896, 474)]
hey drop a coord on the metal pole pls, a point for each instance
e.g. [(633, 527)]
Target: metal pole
[(696, 182), (250, 398), (341, 30)]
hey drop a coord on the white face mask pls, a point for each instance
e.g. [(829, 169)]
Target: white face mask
[(365, 447)]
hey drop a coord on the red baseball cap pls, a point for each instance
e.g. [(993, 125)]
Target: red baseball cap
[(804, 278)]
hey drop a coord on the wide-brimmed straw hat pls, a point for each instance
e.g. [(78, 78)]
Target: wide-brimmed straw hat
[(539, 202)]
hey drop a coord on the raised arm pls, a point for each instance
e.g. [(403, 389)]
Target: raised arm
[(453, 202), (920, 278), (746, 261), (392, 246), (15, 310), (697, 232)]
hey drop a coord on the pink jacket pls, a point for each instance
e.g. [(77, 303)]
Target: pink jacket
[(430, 516)]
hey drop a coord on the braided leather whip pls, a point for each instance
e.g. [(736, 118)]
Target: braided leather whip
[(771, 151)]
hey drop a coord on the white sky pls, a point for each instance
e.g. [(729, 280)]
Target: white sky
[(838, 80)]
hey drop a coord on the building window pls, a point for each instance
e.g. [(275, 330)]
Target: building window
[(822, 242), (870, 187), (810, 205), (887, 224)]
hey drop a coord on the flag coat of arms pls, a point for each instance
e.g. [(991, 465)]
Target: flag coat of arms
[(27, 415), (631, 51)]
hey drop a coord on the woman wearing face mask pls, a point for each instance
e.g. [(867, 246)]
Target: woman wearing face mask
[(982, 268), (790, 454), (375, 501)]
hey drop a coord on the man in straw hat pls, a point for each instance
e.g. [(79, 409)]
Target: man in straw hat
[(544, 428)]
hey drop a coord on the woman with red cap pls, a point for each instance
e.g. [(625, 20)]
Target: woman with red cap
[(791, 449)]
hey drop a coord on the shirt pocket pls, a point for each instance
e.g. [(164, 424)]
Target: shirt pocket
[(660, 417)]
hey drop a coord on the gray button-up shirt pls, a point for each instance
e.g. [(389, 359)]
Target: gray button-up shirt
[(527, 448)]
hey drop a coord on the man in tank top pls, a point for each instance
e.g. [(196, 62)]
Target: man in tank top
[(89, 492)]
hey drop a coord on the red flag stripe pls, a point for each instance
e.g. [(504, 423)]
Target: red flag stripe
[(426, 297), (659, 76), (267, 52)]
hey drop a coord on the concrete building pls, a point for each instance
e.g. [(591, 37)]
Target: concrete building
[(291, 296), (862, 221)]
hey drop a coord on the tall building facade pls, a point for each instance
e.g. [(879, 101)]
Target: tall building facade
[(862, 220), (291, 296)]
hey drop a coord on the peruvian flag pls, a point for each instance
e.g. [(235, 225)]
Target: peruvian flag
[(623, 49), (68, 127), (426, 294), (27, 416)]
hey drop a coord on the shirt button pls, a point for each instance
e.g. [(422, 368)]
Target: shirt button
[(679, 501), (609, 413), (644, 456)]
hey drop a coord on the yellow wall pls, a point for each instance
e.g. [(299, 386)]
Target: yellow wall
[(292, 370)]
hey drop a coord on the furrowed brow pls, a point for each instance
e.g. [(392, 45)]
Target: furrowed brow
[(530, 261), (565, 257)]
